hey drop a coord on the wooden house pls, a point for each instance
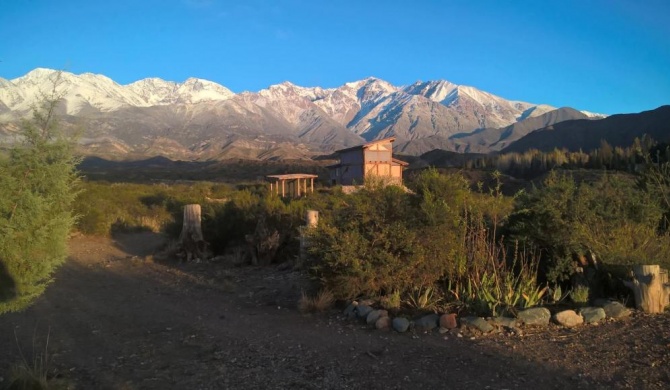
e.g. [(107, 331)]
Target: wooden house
[(373, 159)]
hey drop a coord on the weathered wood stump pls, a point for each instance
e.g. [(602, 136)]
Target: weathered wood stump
[(311, 221), (651, 294), (665, 283), (312, 218), (191, 240)]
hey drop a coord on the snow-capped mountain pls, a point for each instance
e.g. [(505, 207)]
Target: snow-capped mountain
[(155, 91), (86, 92), (489, 110), (202, 119)]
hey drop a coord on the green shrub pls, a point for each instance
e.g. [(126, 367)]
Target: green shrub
[(105, 208), (612, 217), (37, 189), (580, 294)]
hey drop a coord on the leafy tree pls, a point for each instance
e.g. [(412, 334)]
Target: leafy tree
[(38, 184)]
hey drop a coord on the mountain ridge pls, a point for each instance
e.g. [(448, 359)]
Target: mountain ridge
[(201, 119)]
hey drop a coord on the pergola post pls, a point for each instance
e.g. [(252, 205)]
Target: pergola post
[(282, 189)]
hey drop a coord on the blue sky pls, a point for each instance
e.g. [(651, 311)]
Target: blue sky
[(605, 56)]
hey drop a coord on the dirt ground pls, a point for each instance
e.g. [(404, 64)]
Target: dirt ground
[(116, 320)]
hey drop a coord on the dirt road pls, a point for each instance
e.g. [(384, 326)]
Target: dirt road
[(117, 321)]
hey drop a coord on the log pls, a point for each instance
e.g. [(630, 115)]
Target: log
[(650, 294), (191, 239)]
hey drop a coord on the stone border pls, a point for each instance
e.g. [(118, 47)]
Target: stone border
[(449, 322)]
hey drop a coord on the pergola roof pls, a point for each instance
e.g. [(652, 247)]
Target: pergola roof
[(292, 176)]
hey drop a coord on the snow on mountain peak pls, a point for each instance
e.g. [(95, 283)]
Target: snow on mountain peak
[(35, 75), (594, 115), (353, 101), (104, 94), (436, 91)]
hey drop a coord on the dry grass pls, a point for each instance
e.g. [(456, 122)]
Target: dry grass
[(323, 301), (31, 374)]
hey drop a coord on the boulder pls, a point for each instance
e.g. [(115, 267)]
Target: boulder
[(568, 318), (374, 315), (601, 302), (383, 323), (505, 322), (448, 321), (477, 323), (427, 322), (363, 310), (350, 311), (400, 324), (592, 315), (615, 309), (535, 316)]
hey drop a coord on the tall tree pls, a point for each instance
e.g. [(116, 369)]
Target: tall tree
[(38, 183)]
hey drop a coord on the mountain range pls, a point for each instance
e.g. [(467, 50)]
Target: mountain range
[(200, 119)]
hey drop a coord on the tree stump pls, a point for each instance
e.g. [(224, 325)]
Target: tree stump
[(665, 283), (312, 218), (650, 293), (312, 221), (191, 240)]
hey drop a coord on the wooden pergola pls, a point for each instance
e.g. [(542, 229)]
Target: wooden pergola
[(292, 185)]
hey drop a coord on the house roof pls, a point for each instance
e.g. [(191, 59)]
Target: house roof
[(399, 162), (367, 145)]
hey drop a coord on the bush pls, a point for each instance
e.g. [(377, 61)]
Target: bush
[(371, 246), (37, 189), (612, 218), (106, 208), (420, 249)]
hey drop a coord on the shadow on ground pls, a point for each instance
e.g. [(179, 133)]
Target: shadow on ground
[(116, 323)]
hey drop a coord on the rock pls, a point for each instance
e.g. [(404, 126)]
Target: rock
[(592, 315), (568, 318), (374, 315), (400, 324), (448, 321), (535, 316), (350, 311), (427, 322), (383, 323), (367, 302), (616, 310), (505, 322), (601, 302), (363, 310), (477, 323)]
